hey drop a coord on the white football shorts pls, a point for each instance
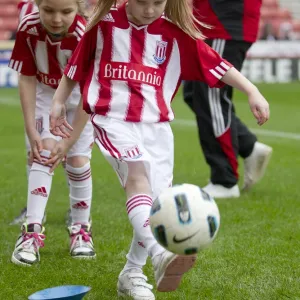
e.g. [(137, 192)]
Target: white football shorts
[(82, 147), (151, 143)]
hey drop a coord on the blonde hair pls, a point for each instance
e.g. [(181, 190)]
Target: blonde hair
[(81, 7), (180, 12), (101, 9)]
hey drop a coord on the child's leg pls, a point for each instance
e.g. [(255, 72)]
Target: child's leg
[(80, 183), (78, 169), (139, 202), (137, 255), (21, 218), (168, 267), (132, 282), (68, 215), (39, 185)]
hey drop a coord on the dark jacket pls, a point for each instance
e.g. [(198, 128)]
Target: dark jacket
[(232, 19)]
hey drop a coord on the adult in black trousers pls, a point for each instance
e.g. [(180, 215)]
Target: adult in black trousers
[(223, 136)]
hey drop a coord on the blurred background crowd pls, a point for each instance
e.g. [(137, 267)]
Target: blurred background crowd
[(280, 19)]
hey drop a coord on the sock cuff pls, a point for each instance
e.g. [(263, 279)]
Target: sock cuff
[(80, 170), (138, 203), (45, 153), (39, 167), (79, 174)]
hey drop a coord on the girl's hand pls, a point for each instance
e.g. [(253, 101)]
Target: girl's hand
[(57, 154), (58, 121), (36, 145), (259, 107), (258, 104)]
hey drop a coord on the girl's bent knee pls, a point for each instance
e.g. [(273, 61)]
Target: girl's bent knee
[(77, 161)]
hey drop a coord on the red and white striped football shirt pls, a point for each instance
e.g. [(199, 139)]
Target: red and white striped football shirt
[(132, 73), (35, 54), (25, 8)]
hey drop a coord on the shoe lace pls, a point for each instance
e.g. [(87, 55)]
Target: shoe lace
[(81, 237), (37, 240), (139, 279)]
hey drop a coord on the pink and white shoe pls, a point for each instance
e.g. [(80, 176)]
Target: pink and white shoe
[(81, 243), (26, 252)]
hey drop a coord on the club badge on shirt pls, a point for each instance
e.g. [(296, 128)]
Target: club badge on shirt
[(160, 52)]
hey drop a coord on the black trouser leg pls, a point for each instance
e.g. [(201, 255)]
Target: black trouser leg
[(222, 134)]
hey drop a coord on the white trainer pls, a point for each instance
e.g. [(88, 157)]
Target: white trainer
[(133, 285), (169, 269), (81, 242), (255, 164), (26, 252), (220, 191)]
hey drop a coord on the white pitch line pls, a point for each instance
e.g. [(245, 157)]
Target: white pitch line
[(191, 123), (10, 101), (265, 132)]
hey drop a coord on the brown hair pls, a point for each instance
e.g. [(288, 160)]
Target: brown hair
[(180, 12), (81, 7)]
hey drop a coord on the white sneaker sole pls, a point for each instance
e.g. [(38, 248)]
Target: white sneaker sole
[(124, 295), (225, 195), (264, 160), (84, 256), (174, 271), (20, 263)]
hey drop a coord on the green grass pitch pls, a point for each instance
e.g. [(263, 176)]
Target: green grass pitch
[(255, 256)]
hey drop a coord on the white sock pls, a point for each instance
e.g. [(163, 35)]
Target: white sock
[(39, 186), (28, 167), (137, 255), (64, 165), (80, 182), (138, 210)]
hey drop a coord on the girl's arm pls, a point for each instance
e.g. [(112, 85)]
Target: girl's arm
[(76, 71), (62, 147), (27, 90), (79, 122), (234, 78), (258, 104), (58, 121), (64, 90)]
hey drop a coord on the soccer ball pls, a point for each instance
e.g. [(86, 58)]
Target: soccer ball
[(184, 219)]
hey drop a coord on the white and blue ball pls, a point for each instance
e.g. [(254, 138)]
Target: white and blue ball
[(184, 219)]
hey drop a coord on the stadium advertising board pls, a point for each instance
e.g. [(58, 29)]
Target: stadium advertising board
[(273, 62), (267, 61)]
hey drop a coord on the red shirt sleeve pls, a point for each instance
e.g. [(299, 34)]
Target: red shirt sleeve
[(200, 62), (22, 59), (83, 56)]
